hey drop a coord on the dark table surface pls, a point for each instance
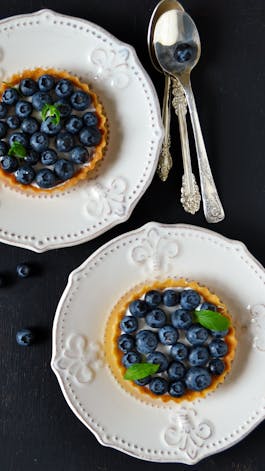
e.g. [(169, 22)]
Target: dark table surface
[(37, 429)]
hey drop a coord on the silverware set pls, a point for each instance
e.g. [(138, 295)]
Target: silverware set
[(175, 48)]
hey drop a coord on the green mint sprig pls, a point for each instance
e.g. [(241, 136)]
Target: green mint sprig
[(141, 370), (211, 320), (18, 150), (51, 111)]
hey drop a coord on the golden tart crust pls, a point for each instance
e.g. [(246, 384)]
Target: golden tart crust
[(98, 154), (114, 356)]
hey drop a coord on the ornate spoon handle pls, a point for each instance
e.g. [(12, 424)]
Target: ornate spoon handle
[(190, 193), (165, 159)]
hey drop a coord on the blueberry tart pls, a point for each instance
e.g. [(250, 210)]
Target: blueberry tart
[(52, 130), (170, 340)]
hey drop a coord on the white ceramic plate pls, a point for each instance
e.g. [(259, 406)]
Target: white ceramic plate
[(49, 39), (183, 433)]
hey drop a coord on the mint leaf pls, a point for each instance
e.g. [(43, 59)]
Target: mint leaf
[(18, 150), (52, 111), (211, 320), (141, 370)]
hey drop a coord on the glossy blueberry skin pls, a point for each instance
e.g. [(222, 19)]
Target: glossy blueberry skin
[(219, 333), (13, 122), (10, 96), (64, 108), (39, 141), (216, 366), (23, 109), (80, 100), (138, 308), (64, 169), (179, 351), (39, 99), (18, 137), (63, 88), (28, 87), (9, 163), (176, 371), (198, 356), (30, 125), (25, 174), (181, 319), (158, 386), (25, 337), (3, 110), (49, 157), (45, 178), (177, 389), (198, 378), (24, 270), (130, 358), (79, 155), (170, 298), (218, 348), (3, 129), (49, 128), (32, 157), (90, 119), (129, 324), (153, 298), (168, 335), (189, 299), (196, 334), (146, 341), (90, 136), (126, 343), (3, 148), (156, 318), (74, 124), (183, 53), (208, 307), (64, 141), (158, 358), (143, 381), (46, 83)]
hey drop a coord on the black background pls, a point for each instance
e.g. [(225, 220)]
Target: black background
[(37, 429)]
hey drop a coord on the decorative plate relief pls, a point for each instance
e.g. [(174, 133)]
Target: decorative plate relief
[(81, 358), (187, 432), (258, 321), (106, 200), (112, 66)]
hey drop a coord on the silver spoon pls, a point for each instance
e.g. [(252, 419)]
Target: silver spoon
[(178, 49)]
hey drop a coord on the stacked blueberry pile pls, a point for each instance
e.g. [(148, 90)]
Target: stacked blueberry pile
[(162, 329), (47, 128)]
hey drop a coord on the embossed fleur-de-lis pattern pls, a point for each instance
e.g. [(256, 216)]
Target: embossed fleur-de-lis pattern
[(112, 65), (105, 200), (187, 432), (258, 326)]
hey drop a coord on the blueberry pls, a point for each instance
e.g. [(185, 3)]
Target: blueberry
[(146, 341), (158, 358), (13, 122), (39, 141), (64, 169), (79, 155), (196, 334), (9, 163), (10, 96), (177, 389), (199, 356), (219, 333), (39, 99), (25, 174), (198, 378), (19, 137), (189, 299), (64, 108), (74, 124), (90, 119), (170, 297), (168, 335), (216, 366), (30, 125), (153, 298), (24, 270), (130, 358), (32, 157), (129, 324), (25, 337), (23, 109), (64, 88), (183, 53), (3, 148), (90, 136), (49, 127), (158, 386), (28, 86), (3, 110), (218, 348), (179, 351), (64, 141), (143, 381), (208, 307), (49, 157), (176, 370), (156, 318), (80, 100), (126, 343), (3, 129), (46, 83), (181, 319), (45, 178), (138, 308)]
